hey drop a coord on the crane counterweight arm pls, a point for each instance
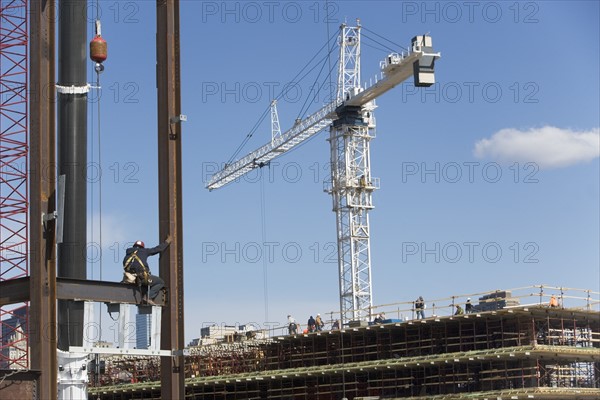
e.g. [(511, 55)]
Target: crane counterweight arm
[(395, 69)]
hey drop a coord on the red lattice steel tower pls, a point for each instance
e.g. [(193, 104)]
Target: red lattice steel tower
[(14, 342)]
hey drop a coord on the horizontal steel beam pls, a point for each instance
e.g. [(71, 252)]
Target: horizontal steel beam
[(100, 291), (17, 290), (124, 352), (14, 291)]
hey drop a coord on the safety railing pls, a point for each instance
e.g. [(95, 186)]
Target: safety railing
[(530, 296)]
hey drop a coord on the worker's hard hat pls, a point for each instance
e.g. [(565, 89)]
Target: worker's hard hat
[(318, 315), (468, 299), (139, 243)]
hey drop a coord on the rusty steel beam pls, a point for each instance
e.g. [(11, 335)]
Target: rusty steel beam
[(42, 261), (18, 290), (100, 291), (170, 195), (14, 291), (17, 384)]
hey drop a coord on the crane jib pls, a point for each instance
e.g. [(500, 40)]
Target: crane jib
[(395, 69)]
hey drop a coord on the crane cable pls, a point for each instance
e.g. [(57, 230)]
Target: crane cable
[(99, 180), (98, 68), (304, 111), (387, 51), (263, 224), (384, 38), (267, 111), (283, 92), (262, 180), (325, 62)]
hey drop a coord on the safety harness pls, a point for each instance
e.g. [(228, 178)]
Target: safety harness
[(130, 275)]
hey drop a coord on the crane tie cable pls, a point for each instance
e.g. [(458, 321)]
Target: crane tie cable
[(284, 91), (384, 38)]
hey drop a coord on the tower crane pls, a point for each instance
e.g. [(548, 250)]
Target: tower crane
[(351, 125)]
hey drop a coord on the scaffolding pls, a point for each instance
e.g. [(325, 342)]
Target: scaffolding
[(14, 341), (520, 351)]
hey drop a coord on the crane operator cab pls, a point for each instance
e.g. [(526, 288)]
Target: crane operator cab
[(423, 68)]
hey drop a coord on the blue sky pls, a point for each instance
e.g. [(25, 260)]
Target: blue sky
[(517, 95)]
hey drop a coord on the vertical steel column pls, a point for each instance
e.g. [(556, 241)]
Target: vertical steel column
[(170, 195), (42, 319), (72, 161)]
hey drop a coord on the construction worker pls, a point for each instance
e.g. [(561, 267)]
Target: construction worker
[(319, 323), (468, 306), (420, 307), (553, 301), (459, 310), (363, 181), (379, 318), (136, 262), (311, 324), (292, 326)]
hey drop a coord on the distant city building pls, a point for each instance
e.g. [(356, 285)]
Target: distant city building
[(217, 332), (13, 342), (228, 334), (143, 325), (103, 344)]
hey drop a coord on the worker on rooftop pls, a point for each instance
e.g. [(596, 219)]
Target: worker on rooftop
[(468, 306), (311, 324), (319, 323), (420, 307), (380, 318), (292, 325), (459, 310)]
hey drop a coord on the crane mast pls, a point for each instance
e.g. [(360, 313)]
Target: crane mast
[(352, 126), (351, 184)]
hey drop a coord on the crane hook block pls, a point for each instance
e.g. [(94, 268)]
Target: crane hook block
[(98, 49)]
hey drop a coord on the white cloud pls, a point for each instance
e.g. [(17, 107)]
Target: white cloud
[(548, 146)]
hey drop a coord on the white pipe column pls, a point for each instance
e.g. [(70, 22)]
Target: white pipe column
[(155, 321), (125, 326), (91, 330), (72, 375)]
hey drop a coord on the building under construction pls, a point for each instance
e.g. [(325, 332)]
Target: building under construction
[(506, 352), (498, 350)]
